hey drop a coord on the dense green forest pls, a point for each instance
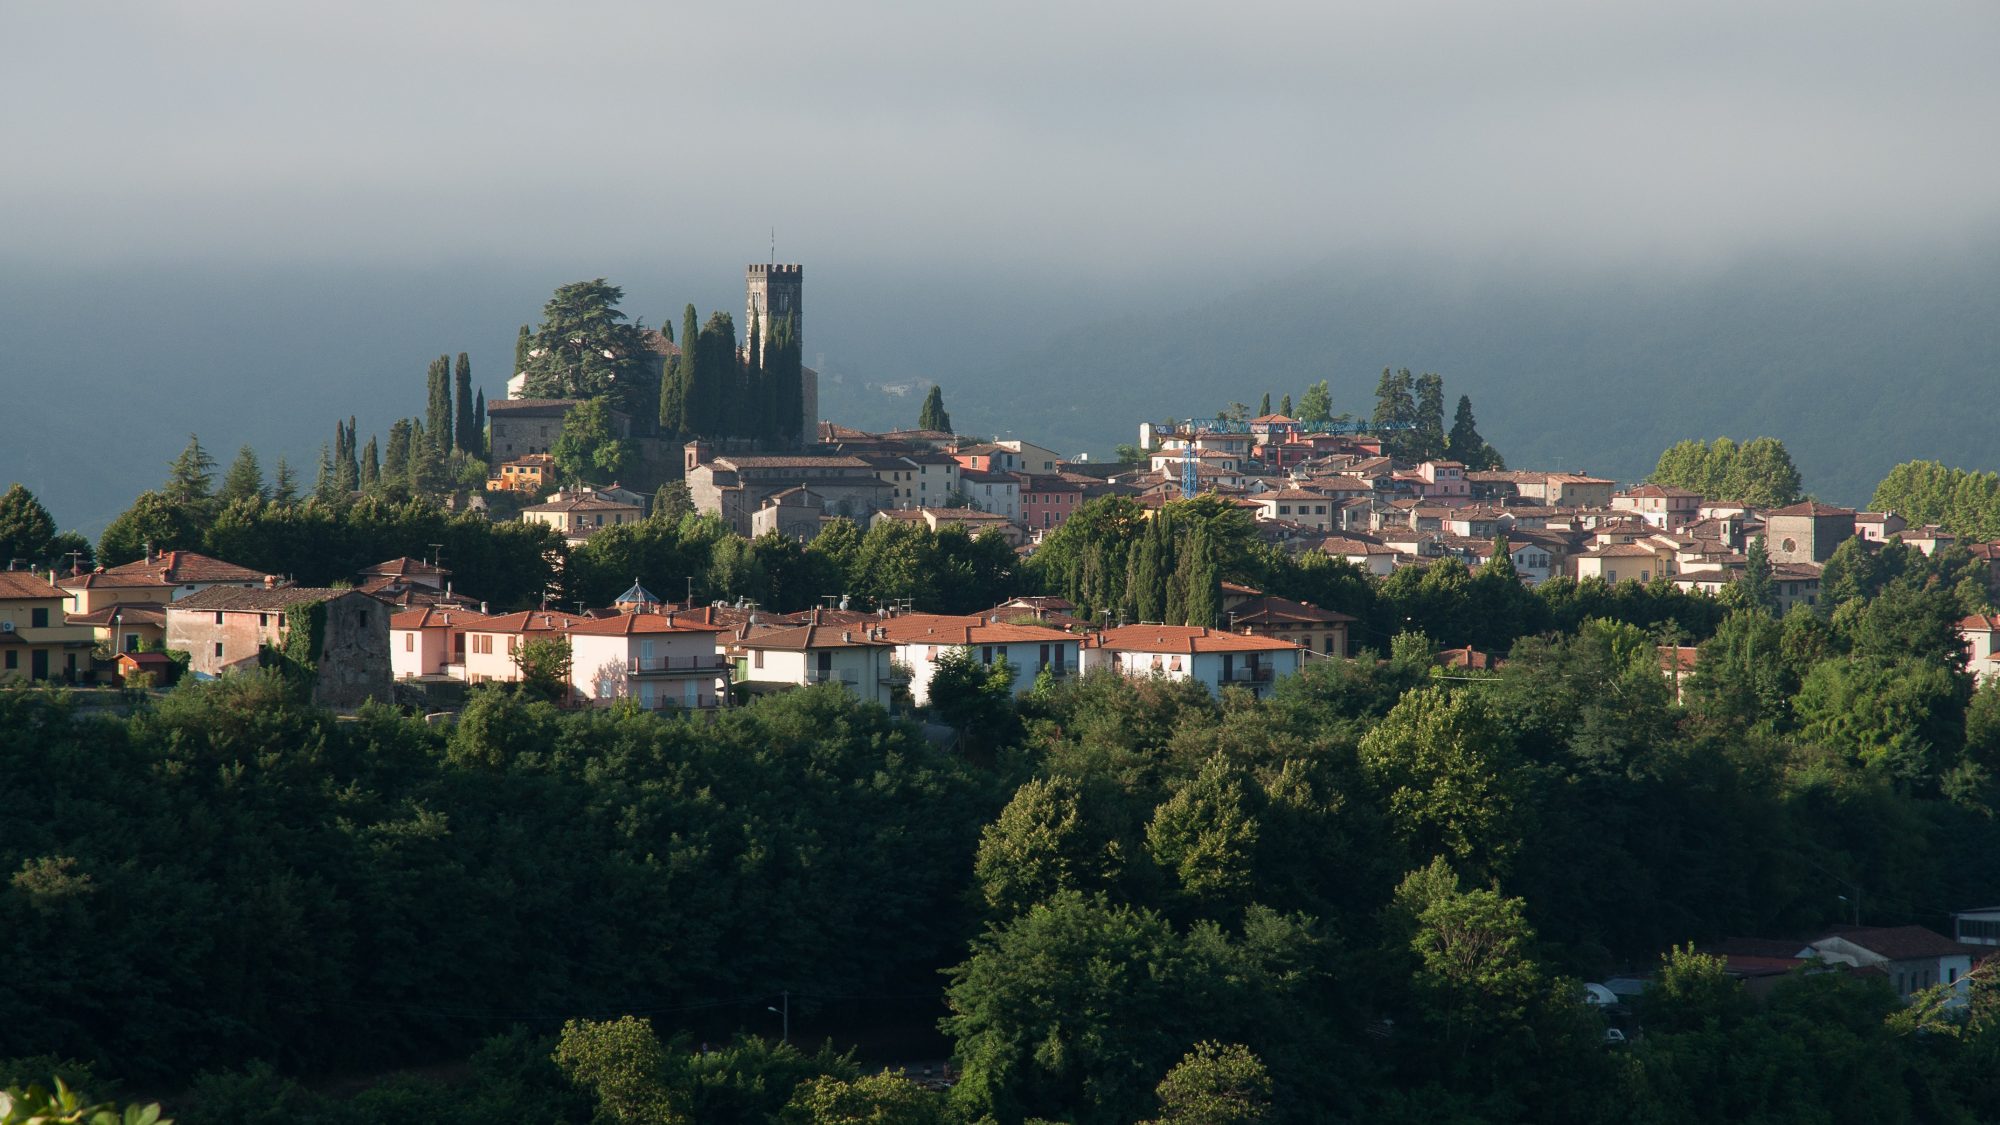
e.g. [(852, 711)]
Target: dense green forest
[(1367, 898)]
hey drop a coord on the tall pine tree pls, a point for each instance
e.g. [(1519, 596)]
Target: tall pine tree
[(523, 344), (396, 457), (284, 484), (244, 480), (371, 467), (1428, 443)]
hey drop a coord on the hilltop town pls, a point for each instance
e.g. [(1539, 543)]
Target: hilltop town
[(733, 693), (1302, 504)]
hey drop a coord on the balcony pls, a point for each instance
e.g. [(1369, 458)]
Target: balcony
[(679, 703), (1257, 675), (700, 664), (831, 676)]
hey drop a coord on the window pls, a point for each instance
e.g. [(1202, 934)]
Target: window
[(757, 658), (13, 658), (38, 618), (218, 617), (218, 650), (409, 642), (364, 619), (131, 642)]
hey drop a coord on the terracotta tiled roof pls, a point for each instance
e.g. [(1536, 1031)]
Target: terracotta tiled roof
[(259, 599), (803, 638), (435, 617), (1659, 491), (129, 613), (790, 461), (405, 567), (168, 568), (24, 584), (1899, 943), (527, 405), (1811, 508), (1183, 638), (583, 504), (937, 629), (1270, 610), (1467, 657), (632, 624), (527, 621)]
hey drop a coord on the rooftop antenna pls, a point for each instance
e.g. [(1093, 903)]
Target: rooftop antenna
[(774, 246)]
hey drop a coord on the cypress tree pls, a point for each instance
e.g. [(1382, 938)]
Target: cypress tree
[(466, 441), (1264, 405), (785, 381), (1204, 583), (371, 466), (523, 344), (691, 390), (933, 416), (346, 462), (437, 419), (1285, 407), (479, 422)]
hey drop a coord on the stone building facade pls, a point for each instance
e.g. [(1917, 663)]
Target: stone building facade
[(226, 629)]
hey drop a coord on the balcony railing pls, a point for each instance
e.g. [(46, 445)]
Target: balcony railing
[(680, 703), (712, 664), (1258, 675), (831, 676)]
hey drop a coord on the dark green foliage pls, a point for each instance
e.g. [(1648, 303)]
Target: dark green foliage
[(153, 520), (437, 415), (284, 484), (933, 416), (1758, 472), (589, 448), (585, 348), (479, 423), (243, 481), (1465, 445), (465, 425), (190, 476), (1925, 492), (25, 527), (280, 885), (1316, 405), (503, 563)]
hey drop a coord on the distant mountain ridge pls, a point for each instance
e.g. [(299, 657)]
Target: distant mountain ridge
[(1855, 366)]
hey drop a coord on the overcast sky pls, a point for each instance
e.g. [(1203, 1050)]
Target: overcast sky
[(1108, 136)]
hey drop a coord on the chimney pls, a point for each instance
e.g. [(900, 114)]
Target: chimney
[(270, 581)]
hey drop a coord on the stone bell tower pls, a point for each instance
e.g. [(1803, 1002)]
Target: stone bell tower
[(773, 293)]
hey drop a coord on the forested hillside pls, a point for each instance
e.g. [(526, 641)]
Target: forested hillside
[(1370, 897)]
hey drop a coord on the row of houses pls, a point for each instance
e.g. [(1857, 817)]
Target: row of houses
[(666, 655)]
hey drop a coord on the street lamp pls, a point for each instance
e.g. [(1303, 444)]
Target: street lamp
[(786, 1014)]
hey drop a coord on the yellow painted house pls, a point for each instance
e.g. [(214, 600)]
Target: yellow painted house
[(36, 642)]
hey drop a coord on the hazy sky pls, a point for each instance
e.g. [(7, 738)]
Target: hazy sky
[(1130, 135)]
